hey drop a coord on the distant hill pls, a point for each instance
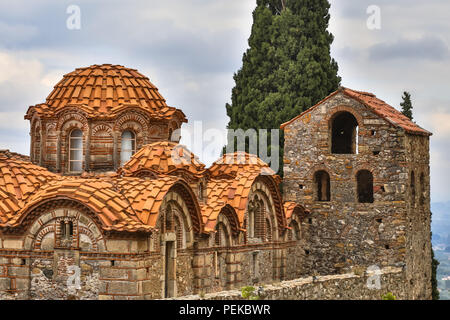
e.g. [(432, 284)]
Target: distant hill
[(440, 224)]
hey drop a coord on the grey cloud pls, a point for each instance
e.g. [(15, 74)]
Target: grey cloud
[(425, 48)]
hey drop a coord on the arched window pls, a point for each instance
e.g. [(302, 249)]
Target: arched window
[(413, 187), (322, 181), (365, 186), (128, 147), (37, 145), (76, 151), (344, 134), (294, 233)]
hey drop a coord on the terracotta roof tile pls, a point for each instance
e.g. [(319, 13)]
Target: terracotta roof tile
[(99, 91), (378, 106), (163, 158), (232, 177)]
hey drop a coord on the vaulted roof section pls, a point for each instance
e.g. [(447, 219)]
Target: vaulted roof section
[(163, 157)]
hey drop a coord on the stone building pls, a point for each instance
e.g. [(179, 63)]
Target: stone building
[(110, 206), (107, 207), (362, 169)]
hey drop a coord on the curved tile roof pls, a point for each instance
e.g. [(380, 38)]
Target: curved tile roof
[(232, 163), (163, 157), (104, 91), (146, 196), (110, 206), (378, 106), (20, 178), (231, 181)]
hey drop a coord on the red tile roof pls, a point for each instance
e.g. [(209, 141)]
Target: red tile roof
[(232, 177), (127, 203), (378, 106), (104, 91), (163, 158)]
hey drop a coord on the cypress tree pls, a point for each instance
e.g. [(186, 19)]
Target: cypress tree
[(287, 68), (407, 105)]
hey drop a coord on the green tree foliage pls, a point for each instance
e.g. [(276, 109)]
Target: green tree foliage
[(287, 68), (434, 283), (407, 105)]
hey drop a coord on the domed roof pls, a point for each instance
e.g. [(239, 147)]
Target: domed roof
[(105, 90), (232, 163), (163, 157)]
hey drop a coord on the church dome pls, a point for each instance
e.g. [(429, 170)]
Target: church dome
[(104, 90), (163, 158)]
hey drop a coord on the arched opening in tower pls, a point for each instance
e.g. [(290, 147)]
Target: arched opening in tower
[(344, 137)]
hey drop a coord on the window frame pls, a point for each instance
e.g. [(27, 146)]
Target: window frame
[(133, 145), (75, 149)]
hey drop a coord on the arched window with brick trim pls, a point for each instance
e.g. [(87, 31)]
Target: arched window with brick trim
[(322, 185), (364, 180), (344, 134), (76, 151)]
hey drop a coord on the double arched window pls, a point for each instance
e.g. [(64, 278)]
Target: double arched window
[(76, 151), (128, 147)]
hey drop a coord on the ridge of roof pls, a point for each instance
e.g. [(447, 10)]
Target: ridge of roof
[(378, 106)]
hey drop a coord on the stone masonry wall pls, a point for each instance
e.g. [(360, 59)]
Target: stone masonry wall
[(332, 287), (344, 233)]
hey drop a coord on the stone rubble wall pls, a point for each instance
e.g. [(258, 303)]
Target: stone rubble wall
[(348, 286)]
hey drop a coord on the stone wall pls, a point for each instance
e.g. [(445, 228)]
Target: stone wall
[(333, 287), (345, 233)]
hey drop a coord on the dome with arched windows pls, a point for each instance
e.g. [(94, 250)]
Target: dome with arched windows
[(97, 117)]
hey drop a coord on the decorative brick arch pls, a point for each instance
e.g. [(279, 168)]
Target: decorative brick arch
[(45, 217), (101, 128), (133, 120), (332, 113), (69, 117)]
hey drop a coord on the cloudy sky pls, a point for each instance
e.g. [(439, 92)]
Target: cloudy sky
[(191, 48)]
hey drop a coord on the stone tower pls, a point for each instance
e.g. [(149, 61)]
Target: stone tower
[(362, 169), (96, 118)]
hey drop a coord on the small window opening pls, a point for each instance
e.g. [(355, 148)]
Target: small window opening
[(372, 132), (376, 153), (413, 187), (309, 221), (386, 246), (422, 189), (322, 180), (301, 186), (365, 186), (344, 137), (379, 220), (113, 263)]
